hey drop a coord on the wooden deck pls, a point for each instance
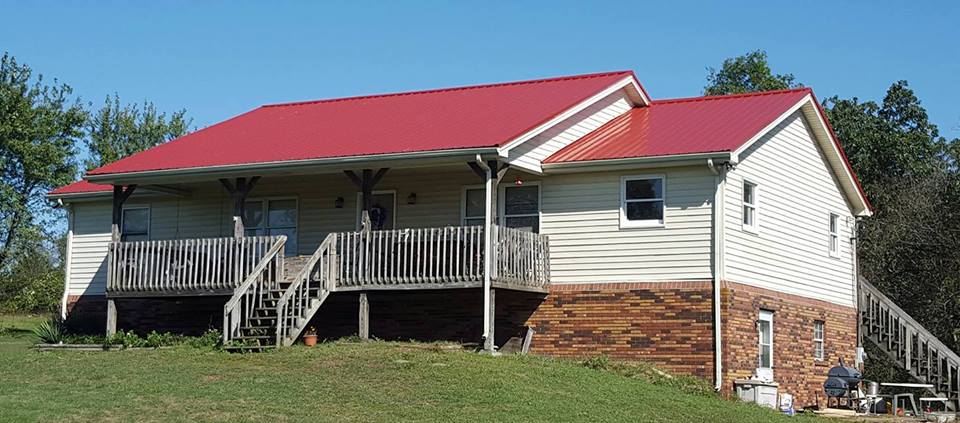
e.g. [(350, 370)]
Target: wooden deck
[(402, 259)]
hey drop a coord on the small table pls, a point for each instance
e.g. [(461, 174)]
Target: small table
[(896, 397)]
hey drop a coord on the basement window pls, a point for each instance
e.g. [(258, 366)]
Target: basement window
[(818, 340), (749, 206), (135, 224), (834, 239), (641, 201)]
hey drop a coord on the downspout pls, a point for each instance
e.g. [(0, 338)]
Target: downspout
[(487, 247), (68, 251), (858, 360), (719, 171)]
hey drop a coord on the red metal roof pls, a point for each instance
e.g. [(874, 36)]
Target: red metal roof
[(445, 119), (682, 126), (81, 187)]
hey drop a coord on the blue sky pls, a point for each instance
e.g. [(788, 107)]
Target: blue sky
[(218, 59)]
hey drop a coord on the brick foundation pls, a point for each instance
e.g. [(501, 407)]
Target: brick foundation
[(666, 323), (186, 315), (795, 368)]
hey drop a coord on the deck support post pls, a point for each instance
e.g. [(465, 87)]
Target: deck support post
[(364, 330), (239, 190), (365, 183), (111, 317), (488, 344), (491, 172), (120, 196)]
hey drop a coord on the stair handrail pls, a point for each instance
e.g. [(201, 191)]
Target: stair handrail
[(919, 329), (296, 300), (249, 294)]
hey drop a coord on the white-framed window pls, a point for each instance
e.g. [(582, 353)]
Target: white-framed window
[(765, 345), (135, 224), (818, 340), (834, 237), (642, 202), (750, 214), (473, 205), (520, 206), (383, 209), (272, 216)]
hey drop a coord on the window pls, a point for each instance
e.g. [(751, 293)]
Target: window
[(520, 207), (818, 340), (834, 239), (749, 206), (272, 217), (765, 345), (383, 207), (641, 201), (135, 224), (474, 209)]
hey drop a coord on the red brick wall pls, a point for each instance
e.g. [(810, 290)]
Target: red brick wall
[(666, 323), (795, 368), (186, 315)]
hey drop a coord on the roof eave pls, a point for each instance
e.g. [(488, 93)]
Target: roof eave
[(332, 164)]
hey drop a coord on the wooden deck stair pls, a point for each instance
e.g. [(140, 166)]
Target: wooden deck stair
[(908, 344)]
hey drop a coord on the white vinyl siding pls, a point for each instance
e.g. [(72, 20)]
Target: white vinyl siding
[(581, 215), (531, 153), (91, 235), (796, 191)]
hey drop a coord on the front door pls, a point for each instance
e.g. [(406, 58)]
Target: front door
[(765, 345)]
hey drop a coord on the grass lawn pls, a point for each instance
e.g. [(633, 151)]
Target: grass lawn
[(335, 382)]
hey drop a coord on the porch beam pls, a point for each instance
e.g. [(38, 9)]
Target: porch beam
[(239, 190), (366, 183)]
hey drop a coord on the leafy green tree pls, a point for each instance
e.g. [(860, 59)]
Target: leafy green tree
[(39, 128), (747, 73), (117, 131)]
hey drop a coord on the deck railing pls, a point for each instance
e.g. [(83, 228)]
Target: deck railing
[(441, 257), (186, 265)]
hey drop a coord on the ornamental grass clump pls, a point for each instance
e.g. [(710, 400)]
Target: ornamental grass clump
[(51, 331)]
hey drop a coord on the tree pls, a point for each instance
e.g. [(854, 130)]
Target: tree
[(747, 73), (117, 131), (39, 129), (890, 140)]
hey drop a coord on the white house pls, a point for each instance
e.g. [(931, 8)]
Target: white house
[(710, 235)]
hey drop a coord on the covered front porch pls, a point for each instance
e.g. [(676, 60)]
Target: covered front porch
[(276, 280)]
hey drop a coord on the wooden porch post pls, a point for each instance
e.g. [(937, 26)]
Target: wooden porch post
[(364, 330), (120, 195), (238, 192), (491, 173), (365, 184)]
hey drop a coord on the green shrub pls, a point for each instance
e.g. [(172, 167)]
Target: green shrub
[(51, 331), (210, 339)]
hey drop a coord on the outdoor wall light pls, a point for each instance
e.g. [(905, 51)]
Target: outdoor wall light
[(412, 198), (518, 182), (338, 203)]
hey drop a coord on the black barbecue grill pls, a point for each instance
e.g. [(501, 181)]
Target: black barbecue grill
[(842, 382)]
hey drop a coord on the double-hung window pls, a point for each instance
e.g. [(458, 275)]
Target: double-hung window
[(273, 217), (641, 201), (749, 206), (818, 340), (520, 207), (474, 206), (834, 237), (135, 224)]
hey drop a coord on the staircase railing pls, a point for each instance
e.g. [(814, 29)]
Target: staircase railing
[(908, 343), (249, 295), (306, 292)]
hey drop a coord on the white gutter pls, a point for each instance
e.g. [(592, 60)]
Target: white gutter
[(719, 170), (67, 260), (633, 162), (487, 246)]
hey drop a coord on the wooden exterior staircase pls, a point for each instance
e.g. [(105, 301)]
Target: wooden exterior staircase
[(908, 344)]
